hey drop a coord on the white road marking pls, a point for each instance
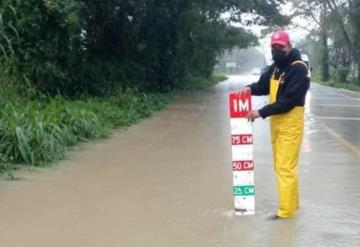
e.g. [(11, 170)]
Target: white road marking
[(352, 148), (332, 98), (337, 118), (335, 105)]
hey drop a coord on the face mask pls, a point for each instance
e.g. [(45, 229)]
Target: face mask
[(279, 57)]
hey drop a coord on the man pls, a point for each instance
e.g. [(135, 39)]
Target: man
[(286, 82)]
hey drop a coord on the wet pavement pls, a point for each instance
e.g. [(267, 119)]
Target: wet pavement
[(168, 182)]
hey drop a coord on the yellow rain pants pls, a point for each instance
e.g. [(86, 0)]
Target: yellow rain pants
[(286, 137)]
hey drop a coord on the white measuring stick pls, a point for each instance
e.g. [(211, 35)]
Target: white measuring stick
[(242, 154)]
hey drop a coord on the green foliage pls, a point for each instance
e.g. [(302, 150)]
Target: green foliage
[(39, 132), (74, 47), (49, 41), (8, 33), (334, 42), (64, 65), (335, 83)]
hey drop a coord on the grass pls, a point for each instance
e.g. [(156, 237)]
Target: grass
[(37, 132), (332, 83)]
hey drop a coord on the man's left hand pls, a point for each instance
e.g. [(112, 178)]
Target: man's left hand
[(251, 116)]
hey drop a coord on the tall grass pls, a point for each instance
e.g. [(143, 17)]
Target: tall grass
[(37, 132)]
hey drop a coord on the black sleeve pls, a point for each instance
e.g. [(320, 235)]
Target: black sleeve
[(262, 86), (294, 93)]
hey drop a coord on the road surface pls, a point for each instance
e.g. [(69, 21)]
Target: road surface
[(167, 181)]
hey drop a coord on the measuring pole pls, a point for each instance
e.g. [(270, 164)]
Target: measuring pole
[(242, 154)]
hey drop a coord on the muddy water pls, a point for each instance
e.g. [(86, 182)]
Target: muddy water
[(167, 182)]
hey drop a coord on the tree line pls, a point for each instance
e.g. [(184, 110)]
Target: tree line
[(93, 46), (334, 37)]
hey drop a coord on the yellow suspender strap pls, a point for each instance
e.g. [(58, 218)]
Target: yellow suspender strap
[(281, 75), (295, 62), (299, 61)]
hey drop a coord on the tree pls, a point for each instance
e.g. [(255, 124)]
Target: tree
[(338, 22), (94, 46), (316, 12)]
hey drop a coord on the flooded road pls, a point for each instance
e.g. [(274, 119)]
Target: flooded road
[(168, 182)]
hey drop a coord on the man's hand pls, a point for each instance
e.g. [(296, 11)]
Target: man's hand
[(245, 90), (251, 116)]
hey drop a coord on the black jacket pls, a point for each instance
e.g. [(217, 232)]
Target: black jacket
[(291, 92)]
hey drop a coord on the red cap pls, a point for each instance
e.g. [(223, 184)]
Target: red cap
[(280, 37)]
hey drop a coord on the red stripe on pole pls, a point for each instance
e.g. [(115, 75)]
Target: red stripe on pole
[(242, 139), (240, 104), (245, 165)]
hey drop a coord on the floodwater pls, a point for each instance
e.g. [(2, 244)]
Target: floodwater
[(167, 182)]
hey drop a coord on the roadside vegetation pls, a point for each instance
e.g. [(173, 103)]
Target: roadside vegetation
[(72, 70), (333, 83), (333, 40)]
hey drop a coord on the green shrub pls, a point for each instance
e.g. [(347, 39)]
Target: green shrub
[(38, 132)]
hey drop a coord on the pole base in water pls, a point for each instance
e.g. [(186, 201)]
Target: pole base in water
[(241, 212)]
